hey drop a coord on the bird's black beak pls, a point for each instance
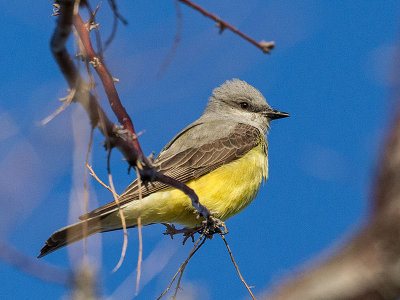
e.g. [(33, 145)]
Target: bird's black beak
[(276, 114)]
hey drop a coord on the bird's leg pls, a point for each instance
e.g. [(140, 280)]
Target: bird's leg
[(212, 226)]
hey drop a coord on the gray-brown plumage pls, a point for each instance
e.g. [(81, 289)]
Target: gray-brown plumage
[(193, 162), (234, 122)]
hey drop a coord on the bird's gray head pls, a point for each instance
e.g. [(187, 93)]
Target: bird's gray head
[(237, 100)]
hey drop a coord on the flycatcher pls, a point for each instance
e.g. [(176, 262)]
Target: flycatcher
[(223, 157)]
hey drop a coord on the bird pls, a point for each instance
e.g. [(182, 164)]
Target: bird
[(222, 156)]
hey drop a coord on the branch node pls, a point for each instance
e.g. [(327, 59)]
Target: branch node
[(95, 62), (221, 26), (93, 15), (93, 26)]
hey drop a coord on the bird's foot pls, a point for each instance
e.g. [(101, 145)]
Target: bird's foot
[(171, 230), (212, 226), (209, 227)]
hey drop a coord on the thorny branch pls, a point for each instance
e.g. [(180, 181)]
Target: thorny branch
[(83, 30), (266, 47), (97, 116), (125, 140)]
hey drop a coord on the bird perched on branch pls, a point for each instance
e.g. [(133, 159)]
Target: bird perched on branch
[(223, 157)]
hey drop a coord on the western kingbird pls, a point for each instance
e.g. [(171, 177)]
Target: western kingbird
[(223, 157)]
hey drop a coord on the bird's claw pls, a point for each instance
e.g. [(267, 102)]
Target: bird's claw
[(212, 226)]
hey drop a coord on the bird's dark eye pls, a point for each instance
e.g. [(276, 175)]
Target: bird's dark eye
[(244, 105)]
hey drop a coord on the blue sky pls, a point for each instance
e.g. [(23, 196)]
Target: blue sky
[(332, 70)]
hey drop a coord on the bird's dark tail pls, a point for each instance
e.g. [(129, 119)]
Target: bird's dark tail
[(71, 234)]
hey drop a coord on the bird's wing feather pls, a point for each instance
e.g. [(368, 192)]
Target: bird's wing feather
[(192, 162)]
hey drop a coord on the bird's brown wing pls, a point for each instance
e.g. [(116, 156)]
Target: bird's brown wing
[(192, 163)]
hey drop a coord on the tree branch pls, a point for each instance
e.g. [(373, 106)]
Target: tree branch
[(97, 116), (83, 30), (266, 47), (128, 143)]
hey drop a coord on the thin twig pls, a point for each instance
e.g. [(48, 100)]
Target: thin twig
[(66, 101), (266, 47), (183, 266), (92, 173), (177, 39), (117, 16), (236, 266), (111, 188), (111, 183), (114, 8), (95, 26), (92, 18), (86, 191), (178, 284), (139, 226), (121, 213)]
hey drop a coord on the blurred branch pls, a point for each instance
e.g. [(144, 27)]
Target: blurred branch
[(32, 266), (85, 283), (140, 236), (366, 266), (177, 39), (117, 17), (83, 95), (266, 47)]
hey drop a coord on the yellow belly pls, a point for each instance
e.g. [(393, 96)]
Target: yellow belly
[(225, 192)]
